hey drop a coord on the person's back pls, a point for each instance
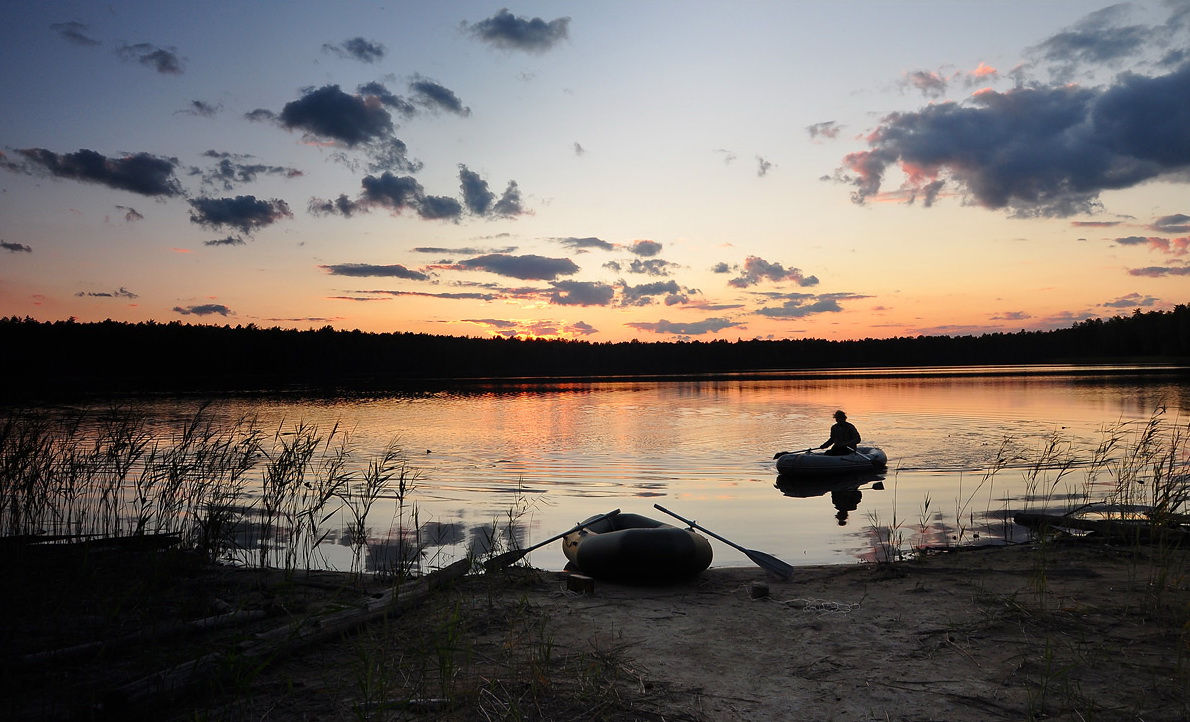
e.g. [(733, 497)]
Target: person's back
[(844, 436)]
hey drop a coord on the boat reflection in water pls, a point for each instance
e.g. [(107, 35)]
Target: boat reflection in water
[(846, 491)]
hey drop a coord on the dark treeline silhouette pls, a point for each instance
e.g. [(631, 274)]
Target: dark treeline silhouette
[(109, 356)]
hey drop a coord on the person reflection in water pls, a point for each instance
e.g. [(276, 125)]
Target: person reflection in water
[(844, 436), (845, 500)]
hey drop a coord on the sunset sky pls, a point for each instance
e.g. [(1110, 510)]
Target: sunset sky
[(597, 170)]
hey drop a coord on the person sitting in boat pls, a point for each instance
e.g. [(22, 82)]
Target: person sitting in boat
[(844, 436)]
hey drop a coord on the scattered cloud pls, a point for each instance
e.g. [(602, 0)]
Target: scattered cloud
[(644, 294), (121, 293), (1011, 316), (581, 293), (1034, 151), (690, 328), (645, 248), (395, 270), (763, 167), (533, 329), (247, 214), (398, 193), (15, 247), (74, 32), (365, 51), (827, 129), (202, 109), (1160, 271), (205, 309), (646, 266), (131, 215), (435, 96), (757, 270), (510, 32), (1170, 246), (464, 251), (1099, 38), (231, 169), (1132, 300), (327, 113), (1176, 223), (929, 83), (582, 244), (528, 267), (163, 60), (143, 173)]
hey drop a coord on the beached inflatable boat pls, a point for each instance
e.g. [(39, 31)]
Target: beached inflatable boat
[(632, 547), (818, 463)]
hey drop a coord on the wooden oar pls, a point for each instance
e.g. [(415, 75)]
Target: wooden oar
[(768, 561), (502, 560)]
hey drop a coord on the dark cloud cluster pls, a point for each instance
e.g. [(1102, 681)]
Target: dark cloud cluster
[(644, 294), (205, 309), (756, 270), (581, 293), (163, 60), (645, 248), (464, 251), (1035, 151), (1102, 38), (482, 201), (537, 329), (246, 214), (15, 247), (1046, 149), (800, 305), (143, 173), (436, 96), (120, 293), (1160, 271), (361, 270), (327, 113), (645, 266), (527, 267), (1175, 223), (582, 244), (131, 215), (231, 169), (689, 328), (398, 193), (1132, 300), (357, 48), (1171, 246), (509, 32)]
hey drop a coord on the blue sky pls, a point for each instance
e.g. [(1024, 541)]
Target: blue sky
[(652, 170)]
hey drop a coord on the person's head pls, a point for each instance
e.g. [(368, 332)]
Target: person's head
[(840, 416)]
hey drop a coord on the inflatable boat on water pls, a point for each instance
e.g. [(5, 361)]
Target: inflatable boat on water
[(631, 547), (813, 463)]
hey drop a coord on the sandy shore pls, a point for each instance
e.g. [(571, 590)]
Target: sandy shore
[(1065, 631)]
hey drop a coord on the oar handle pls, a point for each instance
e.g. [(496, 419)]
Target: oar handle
[(701, 529), (577, 527)]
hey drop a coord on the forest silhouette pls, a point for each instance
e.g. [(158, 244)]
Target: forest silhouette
[(68, 357)]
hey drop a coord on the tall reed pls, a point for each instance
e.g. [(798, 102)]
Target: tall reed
[(228, 488)]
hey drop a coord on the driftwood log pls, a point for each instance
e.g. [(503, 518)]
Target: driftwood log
[(270, 645), (1127, 531)]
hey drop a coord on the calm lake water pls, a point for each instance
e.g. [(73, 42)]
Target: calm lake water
[(704, 448)]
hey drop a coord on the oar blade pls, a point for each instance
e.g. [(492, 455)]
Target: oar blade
[(771, 563), (506, 559)]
